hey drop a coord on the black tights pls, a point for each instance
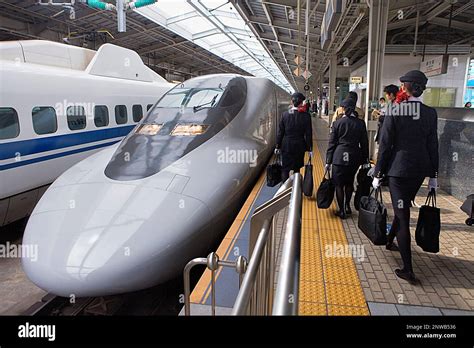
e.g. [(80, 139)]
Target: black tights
[(401, 228), (344, 195), (402, 191)]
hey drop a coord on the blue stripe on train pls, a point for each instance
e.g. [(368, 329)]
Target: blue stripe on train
[(56, 155), (33, 146)]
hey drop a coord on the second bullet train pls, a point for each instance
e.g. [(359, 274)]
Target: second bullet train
[(60, 104), (131, 216)]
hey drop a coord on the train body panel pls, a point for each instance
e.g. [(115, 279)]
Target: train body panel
[(124, 232), (55, 78)]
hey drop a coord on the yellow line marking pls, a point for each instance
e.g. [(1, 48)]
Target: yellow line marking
[(329, 284)]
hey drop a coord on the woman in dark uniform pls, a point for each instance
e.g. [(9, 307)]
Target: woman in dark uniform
[(408, 152), (348, 148), (295, 136)]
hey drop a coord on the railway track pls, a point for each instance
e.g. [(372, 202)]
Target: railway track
[(160, 300)]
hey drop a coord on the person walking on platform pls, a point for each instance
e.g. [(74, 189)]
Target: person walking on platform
[(340, 111), (348, 148), (408, 152), (390, 92), (295, 136)]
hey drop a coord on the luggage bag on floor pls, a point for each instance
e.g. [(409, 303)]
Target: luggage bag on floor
[(364, 183)]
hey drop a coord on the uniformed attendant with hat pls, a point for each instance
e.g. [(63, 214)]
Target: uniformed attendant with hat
[(408, 152), (295, 136), (348, 148)]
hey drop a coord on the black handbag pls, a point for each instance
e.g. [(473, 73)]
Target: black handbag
[(364, 183), (325, 193), (308, 184), (274, 172), (373, 217), (428, 226)]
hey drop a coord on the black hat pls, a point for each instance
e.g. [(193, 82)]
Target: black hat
[(348, 103), (298, 97), (415, 76)]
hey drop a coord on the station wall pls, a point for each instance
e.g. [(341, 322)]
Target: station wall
[(396, 65)]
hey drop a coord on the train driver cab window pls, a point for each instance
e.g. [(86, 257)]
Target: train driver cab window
[(44, 120), (148, 107), (76, 117), (101, 116), (9, 124), (121, 114), (137, 112)]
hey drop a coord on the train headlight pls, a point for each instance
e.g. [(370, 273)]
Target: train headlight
[(189, 129), (149, 129)]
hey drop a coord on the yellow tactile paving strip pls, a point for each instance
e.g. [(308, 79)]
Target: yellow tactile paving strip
[(329, 284), (202, 289)]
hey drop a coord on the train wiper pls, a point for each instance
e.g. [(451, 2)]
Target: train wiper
[(199, 107)]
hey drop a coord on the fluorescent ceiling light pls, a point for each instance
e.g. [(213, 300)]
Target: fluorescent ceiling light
[(216, 26)]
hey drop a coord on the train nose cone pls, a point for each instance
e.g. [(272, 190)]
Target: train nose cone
[(109, 238)]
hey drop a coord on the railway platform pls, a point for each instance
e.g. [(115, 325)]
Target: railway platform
[(340, 271)]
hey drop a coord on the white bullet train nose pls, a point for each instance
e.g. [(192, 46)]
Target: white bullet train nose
[(107, 238)]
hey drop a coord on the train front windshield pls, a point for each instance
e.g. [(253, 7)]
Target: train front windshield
[(191, 98), (183, 119)]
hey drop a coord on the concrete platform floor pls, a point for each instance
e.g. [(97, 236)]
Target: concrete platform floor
[(446, 279), (17, 293)]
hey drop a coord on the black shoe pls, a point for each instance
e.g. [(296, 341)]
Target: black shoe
[(341, 214), (409, 276), (391, 246), (348, 210)]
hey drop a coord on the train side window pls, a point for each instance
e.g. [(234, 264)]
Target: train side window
[(76, 117), (101, 116), (44, 120), (137, 112), (121, 114), (9, 124), (148, 107)]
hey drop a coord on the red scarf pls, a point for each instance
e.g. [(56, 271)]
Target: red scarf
[(401, 97), (303, 108)]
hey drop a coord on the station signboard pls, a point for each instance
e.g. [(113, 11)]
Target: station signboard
[(356, 79), (435, 66)]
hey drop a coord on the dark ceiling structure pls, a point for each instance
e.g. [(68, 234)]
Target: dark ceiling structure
[(276, 24)]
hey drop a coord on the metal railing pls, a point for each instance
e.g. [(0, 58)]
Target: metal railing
[(213, 263), (257, 294)]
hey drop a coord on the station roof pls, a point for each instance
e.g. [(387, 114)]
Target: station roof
[(216, 26), (260, 37)]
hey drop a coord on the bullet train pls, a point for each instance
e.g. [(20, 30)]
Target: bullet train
[(60, 104), (131, 216)]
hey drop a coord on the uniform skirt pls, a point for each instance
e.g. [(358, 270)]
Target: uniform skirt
[(343, 175), (403, 190)]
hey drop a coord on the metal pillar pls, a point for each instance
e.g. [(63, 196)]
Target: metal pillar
[(121, 17), (378, 18), (332, 83), (320, 95)]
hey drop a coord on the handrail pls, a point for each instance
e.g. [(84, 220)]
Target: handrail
[(286, 295), (213, 263), (256, 293)]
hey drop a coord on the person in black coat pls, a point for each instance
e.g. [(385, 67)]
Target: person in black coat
[(408, 152), (348, 148), (295, 136)]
